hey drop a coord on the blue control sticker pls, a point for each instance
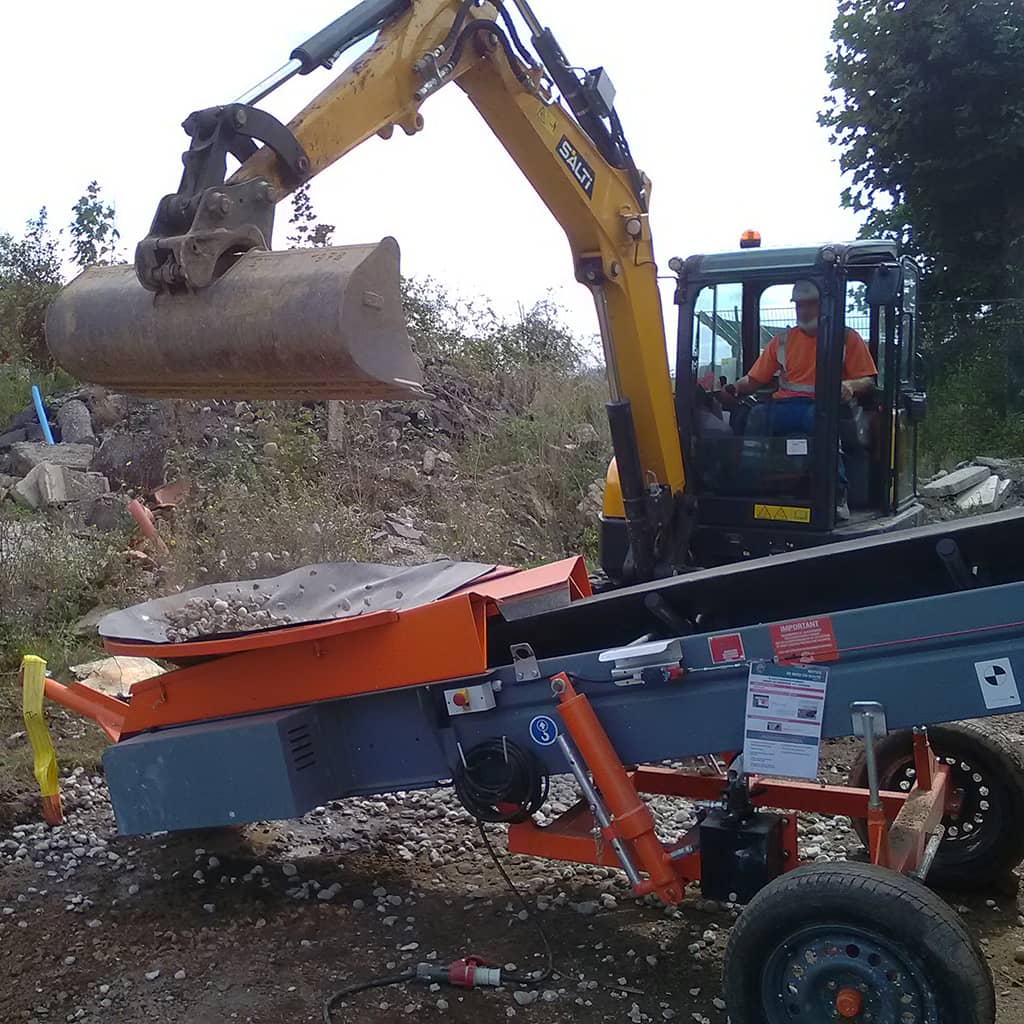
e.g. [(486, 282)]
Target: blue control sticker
[(543, 731)]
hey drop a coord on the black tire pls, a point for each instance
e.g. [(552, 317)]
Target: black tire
[(985, 840), (822, 928)]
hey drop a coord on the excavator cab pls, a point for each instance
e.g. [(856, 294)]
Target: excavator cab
[(760, 489)]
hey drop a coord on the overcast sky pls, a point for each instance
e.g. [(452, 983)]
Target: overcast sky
[(719, 101)]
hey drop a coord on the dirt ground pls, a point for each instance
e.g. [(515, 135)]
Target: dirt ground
[(258, 924)]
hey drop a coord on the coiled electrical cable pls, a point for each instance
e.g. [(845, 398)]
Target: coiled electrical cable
[(499, 781)]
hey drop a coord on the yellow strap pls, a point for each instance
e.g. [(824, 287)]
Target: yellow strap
[(33, 681)]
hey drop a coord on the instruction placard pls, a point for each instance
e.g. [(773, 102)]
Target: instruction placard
[(785, 707)]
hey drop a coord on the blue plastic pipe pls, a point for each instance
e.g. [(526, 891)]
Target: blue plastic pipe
[(37, 400)]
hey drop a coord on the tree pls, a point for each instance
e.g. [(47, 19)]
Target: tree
[(927, 106), (304, 220), (30, 275), (94, 236)]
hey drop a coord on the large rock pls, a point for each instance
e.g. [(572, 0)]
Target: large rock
[(26, 455), (132, 460), (46, 485), (75, 422), (107, 409), (41, 487), (84, 486), (24, 418), (25, 493), (956, 482), (6, 440), (50, 484)]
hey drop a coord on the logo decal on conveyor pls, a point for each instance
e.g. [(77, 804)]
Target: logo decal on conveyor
[(543, 731), (998, 686), (581, 170)]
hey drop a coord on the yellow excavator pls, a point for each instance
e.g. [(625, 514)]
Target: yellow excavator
[(208, 310)]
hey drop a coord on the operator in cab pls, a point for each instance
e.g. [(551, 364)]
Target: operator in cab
[(792, 355)]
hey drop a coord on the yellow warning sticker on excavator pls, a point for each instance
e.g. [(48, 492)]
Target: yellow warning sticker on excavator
[(548, 119), (783, 513)]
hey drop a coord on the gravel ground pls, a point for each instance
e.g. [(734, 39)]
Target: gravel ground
[(258, 924)]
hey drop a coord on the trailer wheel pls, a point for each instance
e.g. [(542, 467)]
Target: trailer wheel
[(853, 941), (984, 839)]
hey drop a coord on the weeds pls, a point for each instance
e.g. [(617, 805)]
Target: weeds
[(16, 380)]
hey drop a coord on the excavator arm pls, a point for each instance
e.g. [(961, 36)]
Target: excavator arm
[(571, 149)]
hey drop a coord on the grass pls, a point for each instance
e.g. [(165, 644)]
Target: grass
[(16, 380), (78, 742)]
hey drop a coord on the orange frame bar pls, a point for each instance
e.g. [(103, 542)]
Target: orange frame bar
[(107, 712), (786, 794)]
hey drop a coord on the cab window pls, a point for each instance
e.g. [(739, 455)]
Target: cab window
[(718, 335), (736, 454), (775, 313), (859, 318)]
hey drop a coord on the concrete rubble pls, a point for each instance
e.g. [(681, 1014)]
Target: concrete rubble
[(1011, 469), (26, 455), (50, 484), (984, 496), (956, 482), (41, 487), (115, 676), (983, 485), (40, 476)]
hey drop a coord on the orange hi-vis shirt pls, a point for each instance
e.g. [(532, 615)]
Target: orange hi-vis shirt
[(799, 362)]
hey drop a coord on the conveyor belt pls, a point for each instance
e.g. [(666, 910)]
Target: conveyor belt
[(837, 577)]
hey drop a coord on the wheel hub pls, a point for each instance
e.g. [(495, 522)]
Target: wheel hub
[(849, 1002), (970, 813), (827, 973)]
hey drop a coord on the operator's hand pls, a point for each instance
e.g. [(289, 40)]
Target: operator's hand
[(845, 393)]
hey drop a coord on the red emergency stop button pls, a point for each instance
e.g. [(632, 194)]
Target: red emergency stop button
[(460, 698)]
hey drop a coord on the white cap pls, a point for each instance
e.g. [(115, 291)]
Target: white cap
[(805, 291)]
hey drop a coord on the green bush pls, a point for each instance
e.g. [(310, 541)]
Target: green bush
[(973, 409)]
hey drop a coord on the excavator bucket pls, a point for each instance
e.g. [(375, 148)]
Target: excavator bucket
[(301, 323)]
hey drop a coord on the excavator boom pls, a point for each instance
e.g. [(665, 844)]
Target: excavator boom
[(209, 311)]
